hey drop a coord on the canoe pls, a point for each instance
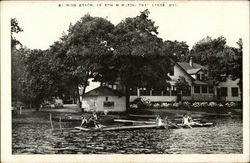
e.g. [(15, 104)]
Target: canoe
[(115, 128), (208, 124), (134, 122), (142, 116)]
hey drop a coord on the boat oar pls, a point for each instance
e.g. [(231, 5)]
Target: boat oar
[(175, 125)]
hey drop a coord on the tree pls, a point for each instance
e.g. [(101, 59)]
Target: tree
[(17, 75), (38, 79), (138, 54), (79, 52), (177, 50), (222, 61), (182, 87), (17, 65), (14, 29), (214, 54), (235, 65)]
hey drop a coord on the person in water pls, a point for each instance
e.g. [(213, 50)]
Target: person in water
[(94, 121), (159, 121), (188, 121), (84, 121), (185, 120)]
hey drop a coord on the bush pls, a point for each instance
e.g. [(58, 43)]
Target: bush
[(231, 104), (212, 104), (196, 104), (166, 105), (186, 104), (133, 106), (176, 104), (204, 104), (141, 103), (156, 105), (220, 105)]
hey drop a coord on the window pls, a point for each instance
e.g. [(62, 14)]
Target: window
[(108, 104), (144, 92), (156, 92), (202, 77), (204, 89), (223, 91), (133, 91), (173, 91), (166, 92), (196, 89), (210, 89), (235, 92), (198, 76)]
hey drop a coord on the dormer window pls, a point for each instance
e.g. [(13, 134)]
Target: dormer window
[(202, 77), (198, 76)]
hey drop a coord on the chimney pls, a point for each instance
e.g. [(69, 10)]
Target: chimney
[(191, 61)]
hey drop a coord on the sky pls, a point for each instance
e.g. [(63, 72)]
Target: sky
[(44, 22)]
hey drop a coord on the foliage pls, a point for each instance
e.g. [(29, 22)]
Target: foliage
[(176, 104), (81, 52), (177, 50), (17, 66), (186, 104), (222, 61), (140, 61), (38, 77), (231, 104), (212, 104), (15, 28), (17, 76), (140, 103), (182, 86)]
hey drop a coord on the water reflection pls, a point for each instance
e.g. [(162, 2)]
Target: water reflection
[(37, 138)]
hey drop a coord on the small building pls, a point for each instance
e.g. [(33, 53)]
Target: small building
[(104, 98)]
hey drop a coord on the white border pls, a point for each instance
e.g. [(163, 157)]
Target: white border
[(6, 155)]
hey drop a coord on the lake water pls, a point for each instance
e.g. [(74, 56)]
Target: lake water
[(35, 137)]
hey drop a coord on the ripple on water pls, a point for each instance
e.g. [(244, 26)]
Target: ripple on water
[(34, 138)]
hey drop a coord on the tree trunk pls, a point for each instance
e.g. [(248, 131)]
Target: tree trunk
[(37, 105), (127, 95), (78, 96)]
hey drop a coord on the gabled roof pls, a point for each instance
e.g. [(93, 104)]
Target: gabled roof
[(200, 82), (186, 66), (190, 77), (103, 91), (193, 71)]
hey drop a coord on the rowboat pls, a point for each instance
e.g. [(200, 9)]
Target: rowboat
[(207, 124), (133, 122), (115, 128)]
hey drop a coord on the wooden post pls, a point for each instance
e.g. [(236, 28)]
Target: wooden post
[(50, 118), (20, 109), (60, 124)]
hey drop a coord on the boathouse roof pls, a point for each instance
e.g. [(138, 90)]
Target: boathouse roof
[(103, 91)]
